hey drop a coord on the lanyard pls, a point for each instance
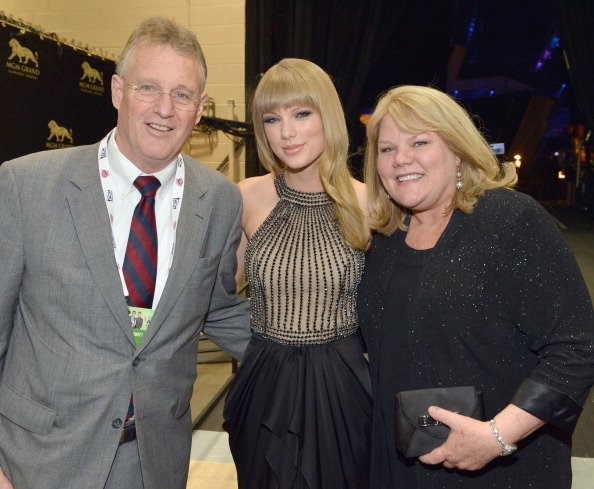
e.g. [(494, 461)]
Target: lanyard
[(108, 185)]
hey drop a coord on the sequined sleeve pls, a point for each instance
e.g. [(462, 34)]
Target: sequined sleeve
[(548, 300)]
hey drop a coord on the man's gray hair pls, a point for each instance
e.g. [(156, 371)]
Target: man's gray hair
[(163, 32)]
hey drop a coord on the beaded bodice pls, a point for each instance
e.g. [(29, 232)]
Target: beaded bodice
[(303, 275)]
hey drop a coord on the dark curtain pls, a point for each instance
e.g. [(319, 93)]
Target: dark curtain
[(367, 46), (576, 24), (344, 37), (257, 60)]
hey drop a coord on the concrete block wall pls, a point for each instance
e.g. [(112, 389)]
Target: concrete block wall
[(106, 25)]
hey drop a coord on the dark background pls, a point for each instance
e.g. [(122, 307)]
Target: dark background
[(52, 91), (524, 68)]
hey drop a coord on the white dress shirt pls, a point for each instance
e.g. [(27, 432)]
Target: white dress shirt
[(126, 197)]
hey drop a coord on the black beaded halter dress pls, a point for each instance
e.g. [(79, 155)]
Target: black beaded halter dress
[(299, 410)]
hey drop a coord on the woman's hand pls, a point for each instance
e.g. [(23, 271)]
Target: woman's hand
[(470, 445)]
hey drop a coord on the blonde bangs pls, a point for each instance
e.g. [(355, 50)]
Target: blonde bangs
[(408, 120), (282, 89)]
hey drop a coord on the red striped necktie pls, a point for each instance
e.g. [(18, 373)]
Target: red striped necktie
[(140, 263)]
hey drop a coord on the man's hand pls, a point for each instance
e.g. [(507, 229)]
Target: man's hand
[(4, 482)]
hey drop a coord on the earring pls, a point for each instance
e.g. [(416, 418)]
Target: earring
[(459, 182)]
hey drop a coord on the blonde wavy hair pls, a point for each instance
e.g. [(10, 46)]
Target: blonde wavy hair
[(293, 82), (415, 110)]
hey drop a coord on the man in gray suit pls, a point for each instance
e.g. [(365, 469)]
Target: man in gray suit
[(83, 403)]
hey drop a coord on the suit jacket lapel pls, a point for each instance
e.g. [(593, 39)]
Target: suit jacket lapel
[(91, 220), (192, 228)]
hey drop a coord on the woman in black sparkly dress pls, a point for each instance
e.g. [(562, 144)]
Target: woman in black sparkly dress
[(299, 410), (468, 282)]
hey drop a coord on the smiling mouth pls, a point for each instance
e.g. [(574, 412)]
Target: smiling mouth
[(158, 127), (406, 178), (290, 149)]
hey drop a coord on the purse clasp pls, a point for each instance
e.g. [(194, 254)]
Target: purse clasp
[(427, 420)]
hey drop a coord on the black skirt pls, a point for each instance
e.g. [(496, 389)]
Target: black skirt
[(300, 417)]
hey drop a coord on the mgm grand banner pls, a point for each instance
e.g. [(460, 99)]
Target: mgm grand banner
[(52, 95)]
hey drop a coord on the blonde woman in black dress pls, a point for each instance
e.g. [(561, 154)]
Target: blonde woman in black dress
[(299, 410), (468, 282)]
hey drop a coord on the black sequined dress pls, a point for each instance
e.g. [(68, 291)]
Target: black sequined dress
[(299, 410), (498, 303)]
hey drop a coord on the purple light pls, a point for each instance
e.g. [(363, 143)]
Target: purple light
[(547, 52)]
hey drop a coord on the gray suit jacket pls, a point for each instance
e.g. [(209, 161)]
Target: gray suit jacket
[(67, 358)]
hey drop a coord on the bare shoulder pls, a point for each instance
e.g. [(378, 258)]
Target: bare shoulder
[(256, 183), (259, 198), (257, 190)]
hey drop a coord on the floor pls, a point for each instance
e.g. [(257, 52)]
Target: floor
[(211, 465)]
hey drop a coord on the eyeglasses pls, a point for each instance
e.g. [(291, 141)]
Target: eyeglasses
[(182, 99)]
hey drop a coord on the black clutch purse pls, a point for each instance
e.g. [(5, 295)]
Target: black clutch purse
[(417, 433)]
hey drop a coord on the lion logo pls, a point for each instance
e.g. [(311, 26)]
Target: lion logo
[(58, 133), (24, 54), (91, 74)]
